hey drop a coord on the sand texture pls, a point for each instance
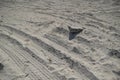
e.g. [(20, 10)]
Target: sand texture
[(59, 39)]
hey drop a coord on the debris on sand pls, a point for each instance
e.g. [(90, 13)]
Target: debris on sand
[(115, 53), (73, 32), (59, 39), (1, 66)]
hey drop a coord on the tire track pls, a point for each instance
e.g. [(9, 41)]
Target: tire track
[(63, 43), (38, 58), (16, 60), (35, 64), (73, 64), (45, 52)]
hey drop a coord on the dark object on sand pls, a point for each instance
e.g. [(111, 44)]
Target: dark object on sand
[(117, 72), (115, 53), (1, 66), (73, 32)]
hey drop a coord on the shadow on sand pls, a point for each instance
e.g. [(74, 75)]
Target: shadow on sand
[(72, 35)]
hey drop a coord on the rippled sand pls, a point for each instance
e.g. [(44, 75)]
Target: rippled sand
[(35, 40)]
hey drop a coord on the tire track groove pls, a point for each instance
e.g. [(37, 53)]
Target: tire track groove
[(77, 66)]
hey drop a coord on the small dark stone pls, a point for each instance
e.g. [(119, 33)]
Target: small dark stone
[(1, 66), (115, 53)]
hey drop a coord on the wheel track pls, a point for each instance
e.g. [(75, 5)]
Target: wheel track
[(85, 15), (73, 19), (34, 55), (32, 71), (93, 20), (37, 66), (103, 28), (18, 62), (73, 64), (97, 23), (63, 43), (14, 59), (34, 64)]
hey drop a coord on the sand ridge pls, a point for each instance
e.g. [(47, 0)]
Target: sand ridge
[(35, 40)]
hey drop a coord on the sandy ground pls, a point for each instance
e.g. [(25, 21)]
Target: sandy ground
[(35, 44)]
